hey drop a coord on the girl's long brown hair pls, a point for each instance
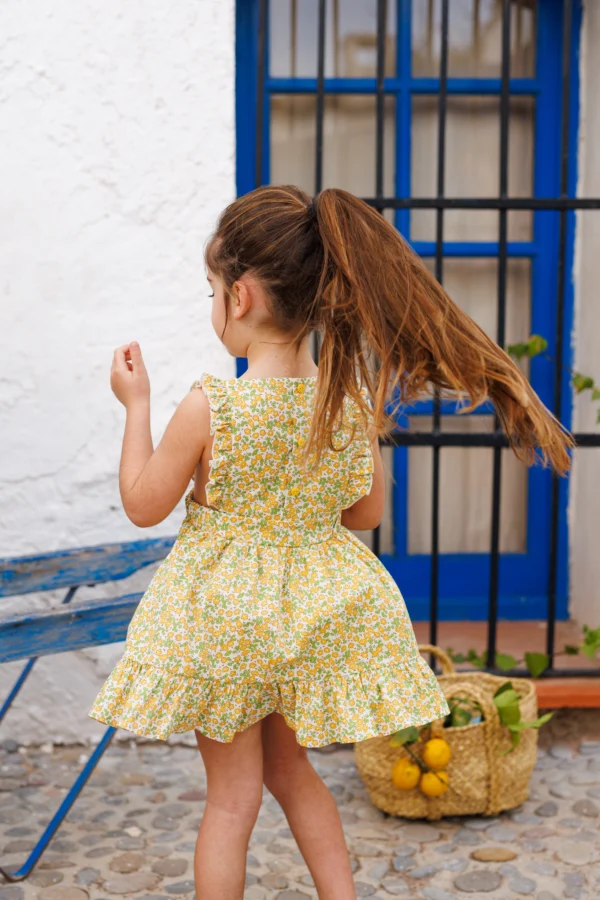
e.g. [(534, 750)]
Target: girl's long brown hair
[(335, 265)]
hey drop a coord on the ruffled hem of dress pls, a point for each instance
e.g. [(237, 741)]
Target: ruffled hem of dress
[(346, 708)]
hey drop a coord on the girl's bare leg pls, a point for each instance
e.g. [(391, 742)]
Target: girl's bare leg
[(309, 808), (234, 788)]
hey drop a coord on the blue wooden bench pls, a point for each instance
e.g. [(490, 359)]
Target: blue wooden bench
[(69, 626)]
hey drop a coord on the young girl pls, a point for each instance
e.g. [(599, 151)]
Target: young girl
[(270, 627)]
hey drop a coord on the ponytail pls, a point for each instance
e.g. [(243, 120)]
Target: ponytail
[(389, 329), (379, 304)]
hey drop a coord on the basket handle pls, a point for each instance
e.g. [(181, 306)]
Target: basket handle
[(491, 716), (491, 724), (448, 667)]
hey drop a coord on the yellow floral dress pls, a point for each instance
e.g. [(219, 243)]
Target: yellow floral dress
[(266, 601)]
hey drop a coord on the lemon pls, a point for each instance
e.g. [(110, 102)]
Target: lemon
[(406, 774), (434, 784), (436, 753)]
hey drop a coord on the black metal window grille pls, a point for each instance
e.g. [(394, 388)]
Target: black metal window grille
[(562, 204)]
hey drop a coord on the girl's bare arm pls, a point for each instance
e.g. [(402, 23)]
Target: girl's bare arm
[(152, 481)]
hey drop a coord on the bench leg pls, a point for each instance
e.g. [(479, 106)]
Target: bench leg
[(62, 811), (17, 686)]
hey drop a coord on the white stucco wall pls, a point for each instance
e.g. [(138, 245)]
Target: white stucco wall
[(117, 136), (584, 508)]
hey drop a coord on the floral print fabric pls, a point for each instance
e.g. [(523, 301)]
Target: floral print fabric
[(265, 601)]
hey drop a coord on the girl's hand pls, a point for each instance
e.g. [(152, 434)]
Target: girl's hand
[(128, 376)]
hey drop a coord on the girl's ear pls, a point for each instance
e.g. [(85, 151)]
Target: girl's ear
[(240, 293)]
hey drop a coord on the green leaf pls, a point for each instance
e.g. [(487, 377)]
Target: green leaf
[(545, 718), (478, 660), (505, 661), (518, 350), (461, 717), (591, 641), (571, 650), (582, 382), (536, 723), (536, 345), (598, 417), (515, 738), (507, 703), (506, 686), (536, 663), (506, 698), (596, 394), (405, 736), (510, 715)]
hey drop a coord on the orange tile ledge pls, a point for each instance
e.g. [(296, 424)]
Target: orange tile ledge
[(554, 693)]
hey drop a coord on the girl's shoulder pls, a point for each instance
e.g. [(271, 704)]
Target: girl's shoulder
[(276, 382), (219, 388), (207, 378)]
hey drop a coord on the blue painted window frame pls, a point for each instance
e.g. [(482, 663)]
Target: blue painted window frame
[(464, 577)]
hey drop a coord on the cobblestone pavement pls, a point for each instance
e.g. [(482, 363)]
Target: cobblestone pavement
[(132, 832)]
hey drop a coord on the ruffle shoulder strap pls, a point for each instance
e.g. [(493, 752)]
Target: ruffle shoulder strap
[(217, 394), (361, 463)]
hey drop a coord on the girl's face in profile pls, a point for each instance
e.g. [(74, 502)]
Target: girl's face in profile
[(232, 339), (219, 301)]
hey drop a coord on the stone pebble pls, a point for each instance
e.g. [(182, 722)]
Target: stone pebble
[(522, 885), (87, 876), (180, 887), (45, 879), (130, 884), (170, 868), (434, 893), (478, 882), (126, 862), (63, 892)]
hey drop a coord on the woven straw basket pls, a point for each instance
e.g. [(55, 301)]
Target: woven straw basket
[(482, 782)]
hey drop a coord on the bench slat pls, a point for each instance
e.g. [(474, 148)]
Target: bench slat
[(84, 565), (44, 632)]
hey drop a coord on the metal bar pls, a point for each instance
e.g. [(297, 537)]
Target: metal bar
[(380, 96), (379, 157), (483, 439), (70, 593), (319, 124), (260, 92), (500, 333), (62, 810), (25, 671), (439, 274), (525, 249), (518, 203), (320, 103), (403, 151), (560, 310), (479, 87)]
